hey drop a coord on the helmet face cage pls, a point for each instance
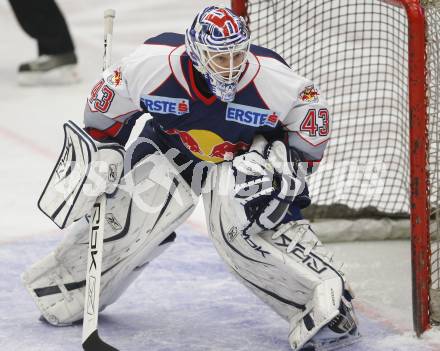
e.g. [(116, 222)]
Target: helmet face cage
[(218, 44), (225, 65)]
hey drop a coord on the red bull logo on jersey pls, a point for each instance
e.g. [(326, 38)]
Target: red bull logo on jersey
[(165, 105), (208, 146), (309, 94), (251, 116)]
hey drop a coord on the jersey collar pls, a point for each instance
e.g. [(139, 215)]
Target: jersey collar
[(206, 100)]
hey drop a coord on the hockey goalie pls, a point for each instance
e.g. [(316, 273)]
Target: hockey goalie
[(231, 123)]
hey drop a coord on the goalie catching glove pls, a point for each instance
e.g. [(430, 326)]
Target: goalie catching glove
[(266, 181)]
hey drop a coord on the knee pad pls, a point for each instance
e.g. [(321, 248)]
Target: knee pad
[(151, 201)]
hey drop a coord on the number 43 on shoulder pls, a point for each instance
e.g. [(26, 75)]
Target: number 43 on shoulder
[(316, 122)]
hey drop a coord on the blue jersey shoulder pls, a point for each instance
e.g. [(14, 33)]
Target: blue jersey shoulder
[(169, 39), (261, 51)]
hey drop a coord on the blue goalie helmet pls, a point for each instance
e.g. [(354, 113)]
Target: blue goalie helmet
[(218, 44)]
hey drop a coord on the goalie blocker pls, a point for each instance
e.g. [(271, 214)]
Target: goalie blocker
[(85, 169)]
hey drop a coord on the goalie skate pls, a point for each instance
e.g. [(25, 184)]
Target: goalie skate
[(342, 331), (332, 344)]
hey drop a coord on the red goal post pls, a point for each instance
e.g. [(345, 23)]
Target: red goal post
[(404, 37)]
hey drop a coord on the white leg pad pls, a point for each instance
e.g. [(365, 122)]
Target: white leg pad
[(150, 203), (302, 285)]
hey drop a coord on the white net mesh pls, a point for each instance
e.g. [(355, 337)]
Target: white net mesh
[(355, 51)]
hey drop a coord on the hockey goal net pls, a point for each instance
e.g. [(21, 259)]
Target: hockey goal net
[(378, 64)]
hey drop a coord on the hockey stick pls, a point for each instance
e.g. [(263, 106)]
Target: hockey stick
[(90, 338)]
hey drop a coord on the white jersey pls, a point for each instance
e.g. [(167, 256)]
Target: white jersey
[(158, 78)]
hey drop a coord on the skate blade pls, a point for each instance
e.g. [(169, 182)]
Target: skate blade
[(334, 344)]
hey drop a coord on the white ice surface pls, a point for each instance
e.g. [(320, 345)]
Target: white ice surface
[(186, 300)]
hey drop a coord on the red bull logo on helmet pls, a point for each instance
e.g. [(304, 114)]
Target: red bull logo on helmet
[(251, 116), (165, 105), (208, 146)]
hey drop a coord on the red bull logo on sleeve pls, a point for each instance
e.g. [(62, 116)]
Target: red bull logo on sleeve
[(309, 94), (165, 105), (251, 116), (208, 146), (116, 78)]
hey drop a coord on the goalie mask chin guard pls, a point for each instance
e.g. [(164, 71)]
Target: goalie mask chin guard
[(218, 44)]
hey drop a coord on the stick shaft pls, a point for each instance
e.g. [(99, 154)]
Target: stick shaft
[(94, 267), (90, 338), (109, 16)]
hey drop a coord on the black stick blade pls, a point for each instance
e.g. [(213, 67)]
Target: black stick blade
[(94, 343)]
